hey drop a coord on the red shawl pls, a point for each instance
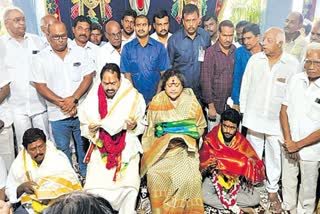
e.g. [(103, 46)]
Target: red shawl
[(237, 159), (112, 145)]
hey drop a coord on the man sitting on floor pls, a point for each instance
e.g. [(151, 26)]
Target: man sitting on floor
[(231, 166), (39, 174)]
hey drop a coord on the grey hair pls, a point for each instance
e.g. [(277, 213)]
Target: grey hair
[(313, 46), (280, 35), (8, 10)]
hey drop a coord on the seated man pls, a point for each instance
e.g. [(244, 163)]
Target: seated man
[(170, 145), (39, 174), (111, 118), (230, 166)]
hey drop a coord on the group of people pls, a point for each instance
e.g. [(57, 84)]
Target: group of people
[(204, 119)]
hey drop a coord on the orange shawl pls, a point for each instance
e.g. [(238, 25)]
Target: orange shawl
[(237, 159)]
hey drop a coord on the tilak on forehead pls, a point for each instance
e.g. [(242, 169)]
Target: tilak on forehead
[(108, 80)]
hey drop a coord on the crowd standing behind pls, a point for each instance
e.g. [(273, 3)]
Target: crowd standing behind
[(165, 107)]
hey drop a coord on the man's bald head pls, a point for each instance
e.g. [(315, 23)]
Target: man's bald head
[(273, 40), (15, 22), (113, 33), (46, 21), (315, 32), (58, 36)]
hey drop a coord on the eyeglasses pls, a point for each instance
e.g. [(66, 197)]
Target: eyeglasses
[(57, 37), (315, 63), (115, 35), (229, 127), (18, 19)]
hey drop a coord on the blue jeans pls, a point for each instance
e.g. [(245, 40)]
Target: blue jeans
[(62, 131)]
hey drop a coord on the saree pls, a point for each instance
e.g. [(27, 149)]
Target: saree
[(171, 161)]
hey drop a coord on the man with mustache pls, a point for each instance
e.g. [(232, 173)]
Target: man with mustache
[(217, 73), (295, 42), (127, 23), (81, 29), (112, 119), (210, 24), (143, 60), (161, 26), (300, 122), (186, 47), (227, 161), (39, 174), (262, 92)]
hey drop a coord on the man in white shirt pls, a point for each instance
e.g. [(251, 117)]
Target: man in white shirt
[(62, 75), (127, 23), (295, 41), (45, 22), (27, 106), (6, 133), (110, 52), (300, 121), (161, 27), (81, 30), (262, 92)]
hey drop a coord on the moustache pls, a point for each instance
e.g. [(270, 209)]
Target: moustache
[(83, 35), (141, 31), (40, 154), (191, 28), (110, 91)]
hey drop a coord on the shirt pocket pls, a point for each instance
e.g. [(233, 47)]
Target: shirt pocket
[(314, 112), (280, 89), (76, 72)]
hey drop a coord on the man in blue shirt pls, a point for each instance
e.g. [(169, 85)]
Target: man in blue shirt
[(187, 46), (251, 45), (143, 60)]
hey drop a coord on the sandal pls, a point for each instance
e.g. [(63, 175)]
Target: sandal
[(275, 204)]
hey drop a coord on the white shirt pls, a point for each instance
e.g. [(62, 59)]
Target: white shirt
[(91, 49), (23, 98), (63, 77), (303, 112), (125, 40), (106, 54), (3, 173), (263, 91), (296, 47), (156, 37)]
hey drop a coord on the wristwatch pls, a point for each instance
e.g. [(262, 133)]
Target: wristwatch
[(75, 100)]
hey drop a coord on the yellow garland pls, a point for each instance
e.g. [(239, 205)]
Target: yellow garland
[(227, 184)]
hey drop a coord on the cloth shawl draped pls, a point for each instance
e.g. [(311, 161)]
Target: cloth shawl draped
[(237, 159)]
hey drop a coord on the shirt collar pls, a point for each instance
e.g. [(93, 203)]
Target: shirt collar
[(218, 48), (283, 58), (184, 34), (9, 37), (150, 41), (303, 76)]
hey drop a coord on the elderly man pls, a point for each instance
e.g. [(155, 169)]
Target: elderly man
[(75, 71), (45, 22), (315, 32), (187, 46), (127, 23), (110, 52), (112, 119), (262, 92), (161, 23), (39, 174), (295, 42), (300, 121), (143, 60), (27, 106), (81, 29), (210, 24), (251, 45), (217, 73), (229, 164), (170, 145)]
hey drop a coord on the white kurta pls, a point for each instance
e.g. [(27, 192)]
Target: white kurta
[(55, 164), (99, 179)]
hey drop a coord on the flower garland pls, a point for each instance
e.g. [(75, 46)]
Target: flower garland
[(227, 197)]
